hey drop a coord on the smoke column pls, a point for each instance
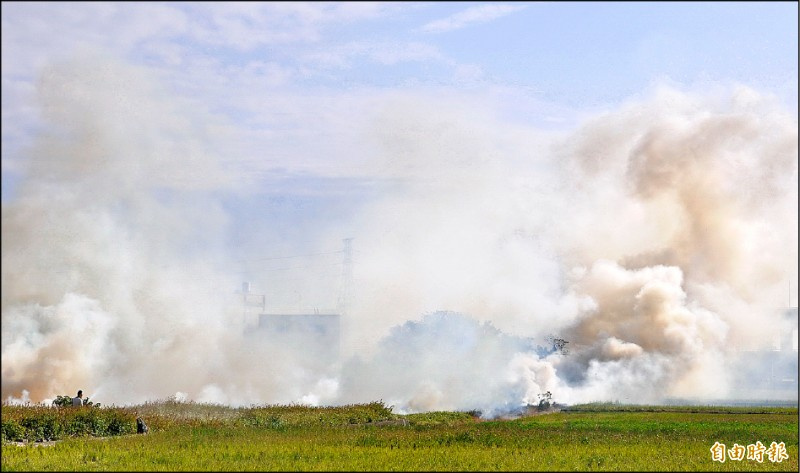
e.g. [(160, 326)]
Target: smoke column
[(658, 239)]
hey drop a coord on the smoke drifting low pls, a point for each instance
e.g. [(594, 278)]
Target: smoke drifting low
[(105, 249), (659, 240)]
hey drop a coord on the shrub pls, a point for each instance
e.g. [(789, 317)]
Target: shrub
[(12, 431), (62, 401), (41, 427), (38, 423), (545, 400)]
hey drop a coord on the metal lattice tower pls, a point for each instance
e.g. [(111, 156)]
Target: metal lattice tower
[(346, 295)]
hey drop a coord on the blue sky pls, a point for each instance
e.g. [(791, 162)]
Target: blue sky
[(561, 58), (293, 92)]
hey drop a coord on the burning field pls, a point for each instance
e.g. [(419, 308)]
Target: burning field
[(659, 240)]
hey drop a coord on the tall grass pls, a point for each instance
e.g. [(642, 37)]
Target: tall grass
[(40, 423), (305, 416), (200, 437)]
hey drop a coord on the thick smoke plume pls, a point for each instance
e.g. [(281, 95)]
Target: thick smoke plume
[(659, 240)]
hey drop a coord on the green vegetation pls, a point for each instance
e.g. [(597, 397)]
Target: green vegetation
[(66, 401), (614, 407), (38, 424), (203, 437)]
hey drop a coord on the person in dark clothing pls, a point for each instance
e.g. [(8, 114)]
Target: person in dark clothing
[(141, 427)]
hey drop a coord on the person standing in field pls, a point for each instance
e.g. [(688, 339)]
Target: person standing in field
[(78, 400)]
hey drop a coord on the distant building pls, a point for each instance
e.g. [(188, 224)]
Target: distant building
[(770, 372)]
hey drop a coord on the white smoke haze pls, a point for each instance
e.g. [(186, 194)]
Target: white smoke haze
[(450, 362), (658, 240), (100, 283)]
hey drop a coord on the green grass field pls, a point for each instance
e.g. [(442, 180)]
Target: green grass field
[(189, 436)]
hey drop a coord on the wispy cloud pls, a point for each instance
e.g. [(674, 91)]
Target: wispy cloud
[(476, 14), (247, 25), (386, 53)]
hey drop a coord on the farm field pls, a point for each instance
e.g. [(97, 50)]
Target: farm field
[(201, 437)]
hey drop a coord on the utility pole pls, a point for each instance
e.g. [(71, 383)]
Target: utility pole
[(346, 295)]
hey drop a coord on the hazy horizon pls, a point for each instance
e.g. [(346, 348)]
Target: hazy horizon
[(499, 185)]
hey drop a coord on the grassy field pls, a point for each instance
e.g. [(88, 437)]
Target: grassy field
[(189, 436)]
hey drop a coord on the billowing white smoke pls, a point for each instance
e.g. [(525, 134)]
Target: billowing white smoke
[(657, 240), (110, 252), (450, 362)]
